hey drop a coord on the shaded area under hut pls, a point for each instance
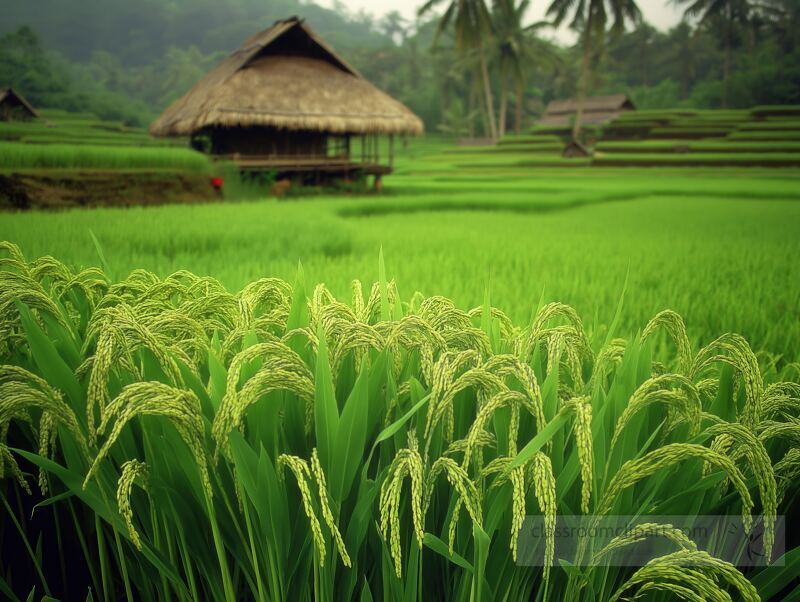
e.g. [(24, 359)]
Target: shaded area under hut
[(287, 104)]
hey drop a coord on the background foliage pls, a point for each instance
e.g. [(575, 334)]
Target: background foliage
[(128, 61)]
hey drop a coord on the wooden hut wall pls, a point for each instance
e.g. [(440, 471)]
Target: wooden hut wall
[(12, 109), (268, 141)]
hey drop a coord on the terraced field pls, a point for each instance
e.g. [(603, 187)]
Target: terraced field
[(217, 403), (763, 136), (62, 140), (688, 239)]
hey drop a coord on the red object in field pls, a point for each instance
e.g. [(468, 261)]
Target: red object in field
[(217, 183)]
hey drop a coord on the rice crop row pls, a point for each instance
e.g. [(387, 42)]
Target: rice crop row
[(280, 444), (778, 159), (690, 132), (678, 223), (515, 140), (100, 140), (782, 125), (74, 134), (63, 115), (64, 156), (525, 147), (765, 135), (714, 146), (776, 110), (696, 125)]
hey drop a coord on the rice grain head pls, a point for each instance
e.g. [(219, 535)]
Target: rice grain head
[(300, 470), (322, 489), (582, 429), (690, 564), (406, 463), (674, 326), (669, 455), (180, 407), (132, 471)]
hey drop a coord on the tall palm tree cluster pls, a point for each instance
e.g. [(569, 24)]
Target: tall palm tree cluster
[(492, 38), (497, 33)]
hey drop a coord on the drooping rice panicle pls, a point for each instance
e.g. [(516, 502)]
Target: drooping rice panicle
[(184, 349), (180, 407), (132, 471)]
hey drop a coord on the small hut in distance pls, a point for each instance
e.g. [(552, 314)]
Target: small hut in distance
[(597, 110), (285, 102), (14, 107)]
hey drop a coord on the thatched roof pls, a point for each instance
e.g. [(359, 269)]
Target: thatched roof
[(289, 78), (596, 110), (575, 149), (11, 98)]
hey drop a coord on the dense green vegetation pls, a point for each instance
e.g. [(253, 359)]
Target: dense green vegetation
[(222, 411), (197, 444), (128, 63), (689, 239), (63, 140), (203, 443), (57, 126), (99, 156)]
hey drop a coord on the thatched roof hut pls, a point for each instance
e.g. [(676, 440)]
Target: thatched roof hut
[(596, 110), (14, 106), (287, 78), (575, 149)]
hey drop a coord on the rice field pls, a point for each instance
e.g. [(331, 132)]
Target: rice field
[(287, 423), (366, 398), (60, 140), (14, 155), (56, 126)]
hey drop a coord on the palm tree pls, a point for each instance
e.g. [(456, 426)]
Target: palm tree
[(472, 24), (590, 18), (512, 49), (783, 17), (395, 26), (517, 48), (721, 15), (683, 49)]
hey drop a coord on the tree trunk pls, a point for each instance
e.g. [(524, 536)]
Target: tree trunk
[(726, 67), (518, 109), (584, 78), (487, 89), (470, 109), (482, 107), (726, 71), (503, 105)]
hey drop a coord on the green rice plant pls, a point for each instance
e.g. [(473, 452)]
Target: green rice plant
[(514, 140), (690, 132), (699, 158), (64, 156), (494, 222), (280, 444), (765, 135), (775, 110), (703, 146), (551, 147), (51, 113), (783, 124)]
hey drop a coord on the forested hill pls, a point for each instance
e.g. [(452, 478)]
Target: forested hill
[(126, 60), (139, 32)]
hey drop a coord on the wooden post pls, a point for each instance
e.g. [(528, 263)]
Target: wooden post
[(391, 150)]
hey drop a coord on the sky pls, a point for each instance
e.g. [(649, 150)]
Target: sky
[(659, 13)]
